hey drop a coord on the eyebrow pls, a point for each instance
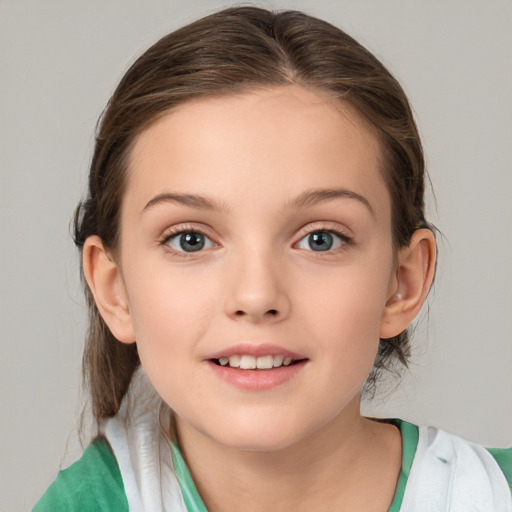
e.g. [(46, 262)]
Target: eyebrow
[(306, 198), (191, 200), (315, 196)]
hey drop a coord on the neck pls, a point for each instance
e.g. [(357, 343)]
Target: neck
[(342, 467)]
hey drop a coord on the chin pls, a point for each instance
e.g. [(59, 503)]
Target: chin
[(259, 436), (259, 443)]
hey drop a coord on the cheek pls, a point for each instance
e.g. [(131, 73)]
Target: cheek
[(351, 335), (348, 341), (170, 312), (344, 311), (351, 299), (170, 318)]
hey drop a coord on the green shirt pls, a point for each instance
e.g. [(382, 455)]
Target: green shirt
[(94, 482)]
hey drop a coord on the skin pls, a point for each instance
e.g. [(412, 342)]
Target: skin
[(254, 158)]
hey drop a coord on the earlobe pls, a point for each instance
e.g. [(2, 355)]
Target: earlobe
[(414, 276), (106, 284)]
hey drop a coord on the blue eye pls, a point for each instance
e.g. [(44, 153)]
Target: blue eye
[(322, 241), (189, 241)]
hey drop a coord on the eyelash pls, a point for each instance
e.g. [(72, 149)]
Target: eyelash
[(305, 232), (181, 230), (340, 233)]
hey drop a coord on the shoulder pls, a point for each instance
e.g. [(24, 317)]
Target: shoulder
[(451, 449), (463, 473), (503, 457), (93, 482)]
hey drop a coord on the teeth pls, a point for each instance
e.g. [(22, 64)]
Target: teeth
[(265, 362), (246, 362), (234, 361), (278, 360)]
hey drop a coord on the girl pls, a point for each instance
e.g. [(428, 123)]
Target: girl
[(254, 247)]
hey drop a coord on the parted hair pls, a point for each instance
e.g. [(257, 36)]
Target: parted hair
[(232, 51)]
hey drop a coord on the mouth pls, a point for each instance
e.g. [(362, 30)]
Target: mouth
[(249, 362), (256, 368)]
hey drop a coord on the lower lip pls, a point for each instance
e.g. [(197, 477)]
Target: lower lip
[(257, 380)]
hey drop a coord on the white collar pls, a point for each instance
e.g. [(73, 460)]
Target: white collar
[(450, 474), (143, 453)]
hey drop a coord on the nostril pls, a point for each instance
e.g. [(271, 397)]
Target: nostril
[(270, 312)]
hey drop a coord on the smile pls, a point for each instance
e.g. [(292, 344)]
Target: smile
[(256, 367), (256, 373), (248, 362)]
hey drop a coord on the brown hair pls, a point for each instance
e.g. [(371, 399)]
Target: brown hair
[(232, 51)]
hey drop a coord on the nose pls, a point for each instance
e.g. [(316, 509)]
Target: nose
[(257, 290)]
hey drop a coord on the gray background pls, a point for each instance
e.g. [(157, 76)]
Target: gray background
[(59, 63)]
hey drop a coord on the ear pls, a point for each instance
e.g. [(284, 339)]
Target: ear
[(107, 287), (414, 275)]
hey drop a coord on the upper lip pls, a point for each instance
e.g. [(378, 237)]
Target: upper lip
[(255, 350)]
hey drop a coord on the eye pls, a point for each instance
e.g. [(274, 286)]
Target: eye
[(189, 241), (322, 241)]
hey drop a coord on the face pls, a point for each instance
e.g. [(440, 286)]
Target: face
[(256, 260)]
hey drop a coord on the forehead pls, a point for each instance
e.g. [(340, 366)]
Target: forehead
[(263, 143)]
